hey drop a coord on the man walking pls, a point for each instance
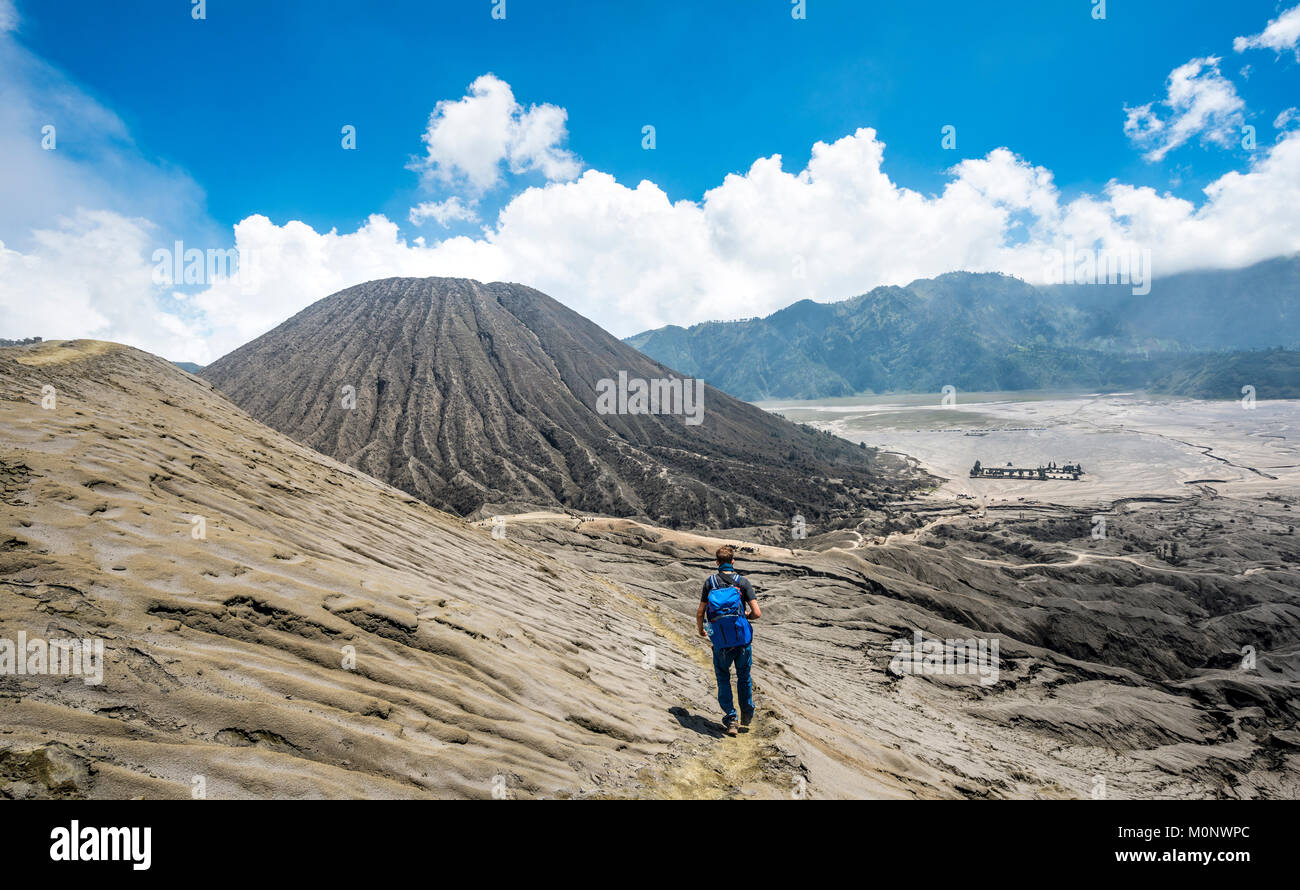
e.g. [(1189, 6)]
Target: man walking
[(727, 601)]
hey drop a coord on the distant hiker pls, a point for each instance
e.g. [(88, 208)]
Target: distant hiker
[(727, 601)]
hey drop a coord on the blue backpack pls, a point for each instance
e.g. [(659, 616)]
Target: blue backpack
[(725, 611)]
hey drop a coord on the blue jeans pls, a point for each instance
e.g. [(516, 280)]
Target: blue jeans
[(743, 658)]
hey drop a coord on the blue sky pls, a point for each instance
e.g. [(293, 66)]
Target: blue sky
[(250, 101), (239, 115)]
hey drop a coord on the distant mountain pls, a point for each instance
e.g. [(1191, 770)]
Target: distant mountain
[(1271, 374), (1257, 307), (188, 366), (984, 331), (482, 397), (971, 331)]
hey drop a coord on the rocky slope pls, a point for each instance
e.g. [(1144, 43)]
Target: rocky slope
[(225, 655), (1126, 668), (481, 398), (329, 636)]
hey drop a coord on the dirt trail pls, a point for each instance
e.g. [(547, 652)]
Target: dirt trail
[(705, 543), (834, 714), (894, 537), (1081, 557), (58, 352), (721, 767), (315, 634), (320, 634)]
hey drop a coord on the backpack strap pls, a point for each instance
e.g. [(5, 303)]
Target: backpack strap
[(715, 582)]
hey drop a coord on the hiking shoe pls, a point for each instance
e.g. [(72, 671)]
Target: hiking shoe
[(746, 719), (731, 728)]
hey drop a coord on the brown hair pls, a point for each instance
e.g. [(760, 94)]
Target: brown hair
[(726, 553)]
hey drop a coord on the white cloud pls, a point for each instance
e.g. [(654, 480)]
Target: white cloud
[(90, 161), (444, 212), (535, 138), (630, 259), (468, 140), (68, 266), (1286, 118), (1282, 33), (91, 276), (1200, 102), (297, 265)]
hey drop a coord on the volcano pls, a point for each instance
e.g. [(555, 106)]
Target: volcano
[(481, 398)]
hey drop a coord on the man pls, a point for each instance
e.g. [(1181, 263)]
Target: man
[(723, 597)]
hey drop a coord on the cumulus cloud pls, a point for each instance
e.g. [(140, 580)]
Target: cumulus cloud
[(296, 265), (91, 275), (470, 140), (83, 212), (1200, 101), (1282, 33), (444, 212), (630, 259)]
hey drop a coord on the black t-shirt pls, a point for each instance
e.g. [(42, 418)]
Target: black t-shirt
[(746, 589)]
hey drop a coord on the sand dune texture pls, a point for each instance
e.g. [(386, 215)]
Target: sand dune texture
[(561, 661), (475, 658), (1121, 670)]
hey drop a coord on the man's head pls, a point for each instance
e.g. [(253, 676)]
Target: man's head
[(726, 553)]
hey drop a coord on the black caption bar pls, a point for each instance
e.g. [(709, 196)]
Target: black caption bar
[(140, 840)]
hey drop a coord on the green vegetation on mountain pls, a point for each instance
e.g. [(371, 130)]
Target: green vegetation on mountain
[(986, 332), (1272, 373)]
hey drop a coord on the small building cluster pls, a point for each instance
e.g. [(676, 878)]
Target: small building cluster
[(1051, 471)]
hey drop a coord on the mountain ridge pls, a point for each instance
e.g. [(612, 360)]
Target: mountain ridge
[(479, 397), (987, 331)]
